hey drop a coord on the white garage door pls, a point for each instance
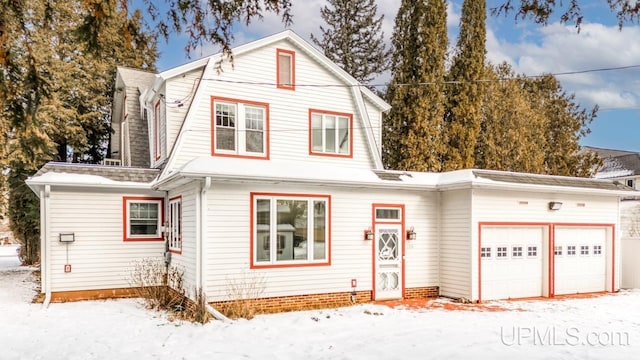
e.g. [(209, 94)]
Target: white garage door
[(580, 260), (512, 263)]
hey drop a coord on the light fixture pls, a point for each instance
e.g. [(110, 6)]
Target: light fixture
[(411, 235), (555, 205), (368, 234)]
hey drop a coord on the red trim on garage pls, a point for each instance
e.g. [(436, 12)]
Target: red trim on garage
[(551, 248)]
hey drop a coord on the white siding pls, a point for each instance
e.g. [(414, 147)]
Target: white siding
[(375, 117), (288, 110), (520, 206), (180, 92), (99, 257), (455, 243), (187, 259), (163, 128), (630, 239), (228, 242)]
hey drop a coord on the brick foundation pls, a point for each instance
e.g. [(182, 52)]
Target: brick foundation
[(323, 301)]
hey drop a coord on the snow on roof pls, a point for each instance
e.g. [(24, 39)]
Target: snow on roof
[(54, 178)]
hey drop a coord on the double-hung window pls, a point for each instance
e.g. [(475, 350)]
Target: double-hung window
[(175, 224), (239, 128), (142, 218), (330, 133), (290, 230), (285, 67)]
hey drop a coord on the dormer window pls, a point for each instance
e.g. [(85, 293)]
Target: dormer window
[(286, 69), (240, 128)]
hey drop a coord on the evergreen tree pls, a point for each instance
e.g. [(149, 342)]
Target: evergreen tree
[(511, 130), (464, 90), (413, 131), (353, 38), (55, 95), (566, 124)]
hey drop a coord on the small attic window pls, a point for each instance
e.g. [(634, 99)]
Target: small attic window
[(285, 67)]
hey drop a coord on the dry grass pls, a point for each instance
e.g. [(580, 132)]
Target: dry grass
[(242, 295)]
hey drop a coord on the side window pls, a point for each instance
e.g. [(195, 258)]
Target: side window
[(175, 224), (330, 133), (286, 69), (142, 218)]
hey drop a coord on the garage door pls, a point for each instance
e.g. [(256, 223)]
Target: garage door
[(512, 262), (580, 260)]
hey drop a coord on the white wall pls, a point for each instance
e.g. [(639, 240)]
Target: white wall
[(455, 243), (630, 243), (187, 259), (228, 241), (179, 90), (288, 110), (99, 257)]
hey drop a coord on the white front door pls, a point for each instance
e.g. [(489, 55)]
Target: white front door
[(388, 258)]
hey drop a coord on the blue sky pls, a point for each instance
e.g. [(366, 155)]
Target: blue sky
[(531, 48)]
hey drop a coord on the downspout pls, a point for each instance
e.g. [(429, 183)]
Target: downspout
[(201, 249), (44, 240)]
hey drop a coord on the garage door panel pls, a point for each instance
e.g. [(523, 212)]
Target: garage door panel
[(580, 260), (512, 264)]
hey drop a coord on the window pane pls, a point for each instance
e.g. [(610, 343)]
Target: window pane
[(263, 229), (388, 214), (330, 130), (284, 76), (225, 127), (143, 218), (320, 230), (292, 230), (343, 135), (316, 132)]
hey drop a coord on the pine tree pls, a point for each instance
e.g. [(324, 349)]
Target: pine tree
[(464, 92), (55, 95), (511, 129), (566, 124), (413, 130), (353, 38)]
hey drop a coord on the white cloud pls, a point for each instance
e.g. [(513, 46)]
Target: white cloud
[(558, 48)]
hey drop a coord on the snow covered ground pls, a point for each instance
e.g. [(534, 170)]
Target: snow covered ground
[(606, 327)]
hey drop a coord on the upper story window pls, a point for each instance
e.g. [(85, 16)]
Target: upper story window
[(286, 69), (156, 130), (240, 128), (290, 230), (330, 133), (142, 218), (175, 224)]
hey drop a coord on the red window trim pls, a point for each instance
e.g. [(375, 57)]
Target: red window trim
[(125, 215), (315, 153), (292, 54), (253, 264), (213, 128), (156, 130), (174, 250)]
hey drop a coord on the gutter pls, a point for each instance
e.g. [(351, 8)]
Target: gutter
[(44, 232)]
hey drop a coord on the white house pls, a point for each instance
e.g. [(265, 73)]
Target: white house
[(272, 169)]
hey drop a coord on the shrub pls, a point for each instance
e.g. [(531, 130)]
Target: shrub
[(242, 294)]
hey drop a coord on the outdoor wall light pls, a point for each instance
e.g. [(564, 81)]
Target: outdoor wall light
[(411, 235), (368, 234), (555, 205)]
